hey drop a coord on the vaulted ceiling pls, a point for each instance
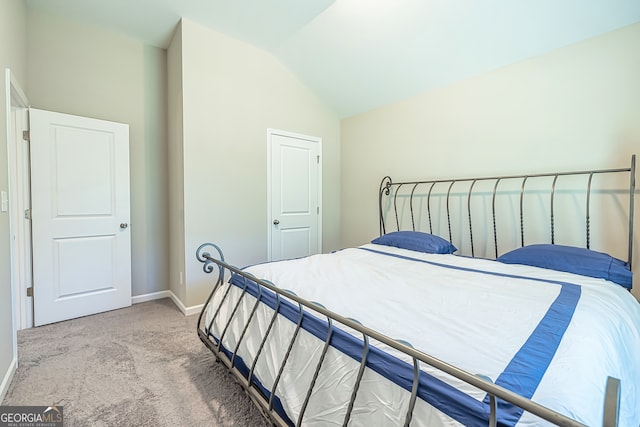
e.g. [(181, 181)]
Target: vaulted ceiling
[(360, 54)]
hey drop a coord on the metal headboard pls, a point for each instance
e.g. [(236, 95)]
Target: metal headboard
[(388, 188)]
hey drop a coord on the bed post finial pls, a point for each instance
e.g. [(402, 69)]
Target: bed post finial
[(493, 214), (204, 256), (632, 191), (385, 188)]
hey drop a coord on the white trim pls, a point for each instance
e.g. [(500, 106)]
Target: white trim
[(6, 381), (313, 139), (137, 299), (13, 294), (19, 95), (269, 229), (15, 97), (187, 311), (13, 94)]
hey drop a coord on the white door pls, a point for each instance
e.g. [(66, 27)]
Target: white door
[(294, 195), (80, 216)]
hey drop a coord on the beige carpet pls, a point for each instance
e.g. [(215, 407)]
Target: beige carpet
[(138, 366)]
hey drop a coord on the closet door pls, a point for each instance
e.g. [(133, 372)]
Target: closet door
[(294, 195)]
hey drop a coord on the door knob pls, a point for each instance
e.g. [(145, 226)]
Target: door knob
[(276, 222), (124, 225)]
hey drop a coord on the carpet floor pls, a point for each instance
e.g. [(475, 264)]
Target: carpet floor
[(138, 366)]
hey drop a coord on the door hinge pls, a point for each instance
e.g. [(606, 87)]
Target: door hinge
[(318, 210), (27, 214), (318, 159), (26, 136), (30, 291)]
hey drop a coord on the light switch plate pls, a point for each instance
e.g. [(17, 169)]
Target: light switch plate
[(5, 201)]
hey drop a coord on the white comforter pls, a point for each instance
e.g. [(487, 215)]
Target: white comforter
[(473, 320)]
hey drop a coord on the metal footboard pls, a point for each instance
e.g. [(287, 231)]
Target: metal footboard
[(334, 320)]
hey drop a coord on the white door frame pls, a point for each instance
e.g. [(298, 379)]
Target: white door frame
[(269, 190), (17, 104)]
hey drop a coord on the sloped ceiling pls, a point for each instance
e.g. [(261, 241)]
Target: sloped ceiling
[(361, 54)]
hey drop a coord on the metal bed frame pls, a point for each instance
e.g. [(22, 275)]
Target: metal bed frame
[(391, 189), (266, 403)]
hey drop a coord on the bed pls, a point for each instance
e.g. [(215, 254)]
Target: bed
[(440, 320)]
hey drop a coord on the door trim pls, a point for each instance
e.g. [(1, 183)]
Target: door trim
[(14, 97), (313, 139)]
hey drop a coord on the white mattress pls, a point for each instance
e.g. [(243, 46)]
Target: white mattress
[(471, 319)]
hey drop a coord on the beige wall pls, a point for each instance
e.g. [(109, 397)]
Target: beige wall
[(84, 70), (13, 47), (233, 92), (571, 109), (176, 167)]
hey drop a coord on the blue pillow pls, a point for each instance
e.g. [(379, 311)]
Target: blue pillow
[(416, 241), (572, 260)]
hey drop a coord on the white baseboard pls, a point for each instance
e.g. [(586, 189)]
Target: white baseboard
[(6, 381), (187, 311), (150, 297)]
